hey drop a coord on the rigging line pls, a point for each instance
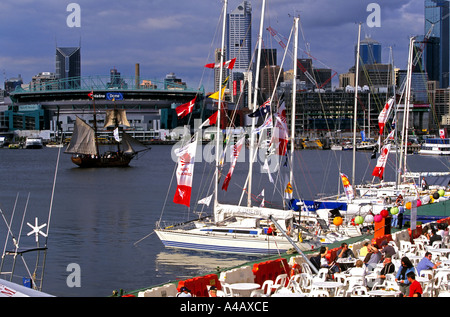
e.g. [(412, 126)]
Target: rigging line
[(9, 225), (53, 195)]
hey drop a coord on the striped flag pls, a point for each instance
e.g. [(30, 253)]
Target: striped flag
[(228, 64)]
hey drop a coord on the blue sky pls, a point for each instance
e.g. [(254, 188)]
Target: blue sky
[(176, 36)]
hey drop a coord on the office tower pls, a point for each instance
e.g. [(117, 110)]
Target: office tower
[(68, 67), (437, 34), (239, 36), (370, 52)]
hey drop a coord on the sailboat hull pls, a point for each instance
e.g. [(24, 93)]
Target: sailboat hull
[(114, 161), (231, 243)]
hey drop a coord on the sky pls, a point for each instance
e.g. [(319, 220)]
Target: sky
[(174, 36)]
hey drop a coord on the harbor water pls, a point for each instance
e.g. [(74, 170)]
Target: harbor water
[(102, 219)]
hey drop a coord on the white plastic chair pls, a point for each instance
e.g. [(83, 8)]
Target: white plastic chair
[(436, 245), (322, 275), (306, 268), (267, 287), (280, 281), (227, 290), (306, 282), (359, 291)]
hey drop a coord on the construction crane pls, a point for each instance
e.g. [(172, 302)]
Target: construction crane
[(280, 41)]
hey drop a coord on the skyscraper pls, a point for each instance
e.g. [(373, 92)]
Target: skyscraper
[(239, 45), (239, 36), (438, 32), (68, 66), (370, 51)]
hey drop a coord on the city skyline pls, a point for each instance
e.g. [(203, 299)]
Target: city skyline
[(180, 37)]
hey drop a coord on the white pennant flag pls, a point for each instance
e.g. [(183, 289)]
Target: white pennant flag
[(205, 201)]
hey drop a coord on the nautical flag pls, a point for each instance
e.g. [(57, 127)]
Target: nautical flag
[(384, 114), (363, 135), (348, 189), (228, 64), (288, 191), (205, 201), (185, 109), (442, 133), (210, 121), (91, 95), (236, 149), (280, 132), (390, 136), (116, 134), (185, 173), (381, 163), (262, 110), (216, 94), (267, 124)]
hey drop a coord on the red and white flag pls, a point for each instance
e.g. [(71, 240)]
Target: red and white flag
[(280, 135), (210, 121), (228, 64), (442, 133), (186, 108), (384, 114), (381, 163), (236, 149), (185, 173)]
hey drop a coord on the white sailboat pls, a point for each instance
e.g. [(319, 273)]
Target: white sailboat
[(234, 228)]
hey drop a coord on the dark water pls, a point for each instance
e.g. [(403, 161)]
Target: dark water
[(98, 215)]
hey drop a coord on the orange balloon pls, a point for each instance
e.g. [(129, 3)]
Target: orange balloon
[(337, 221), (408, 205)]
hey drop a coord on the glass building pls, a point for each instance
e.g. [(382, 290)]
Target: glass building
[(68, 66), (239, 38), (437, 29)]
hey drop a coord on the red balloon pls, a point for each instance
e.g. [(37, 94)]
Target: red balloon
[(384, 213)]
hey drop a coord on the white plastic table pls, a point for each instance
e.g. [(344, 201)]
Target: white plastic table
[(244, 289)]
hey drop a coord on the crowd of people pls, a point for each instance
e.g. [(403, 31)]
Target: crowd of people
[(371, 255)]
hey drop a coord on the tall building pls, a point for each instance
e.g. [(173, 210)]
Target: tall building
[(437, 29), (239, 46), (239, 36), (68, 66), (369, 51)]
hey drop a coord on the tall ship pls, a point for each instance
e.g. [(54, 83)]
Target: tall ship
[(84, 144)]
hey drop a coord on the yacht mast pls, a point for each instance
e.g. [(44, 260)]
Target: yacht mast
[(218, 145), (294, 100), (255, 102), (356, 103)]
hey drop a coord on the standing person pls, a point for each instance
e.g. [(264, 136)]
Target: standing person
[(401, 211), (426, 264), (401, 278), (415, 289)]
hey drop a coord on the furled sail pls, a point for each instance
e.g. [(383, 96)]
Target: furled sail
[(116, 117), (83, 139), (224, 211)]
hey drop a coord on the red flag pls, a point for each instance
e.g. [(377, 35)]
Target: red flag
[(228, 64), (381, 163), (236, 149), (185, 173), (91, 95), (186, 108), (210, 121), (384, 114)]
